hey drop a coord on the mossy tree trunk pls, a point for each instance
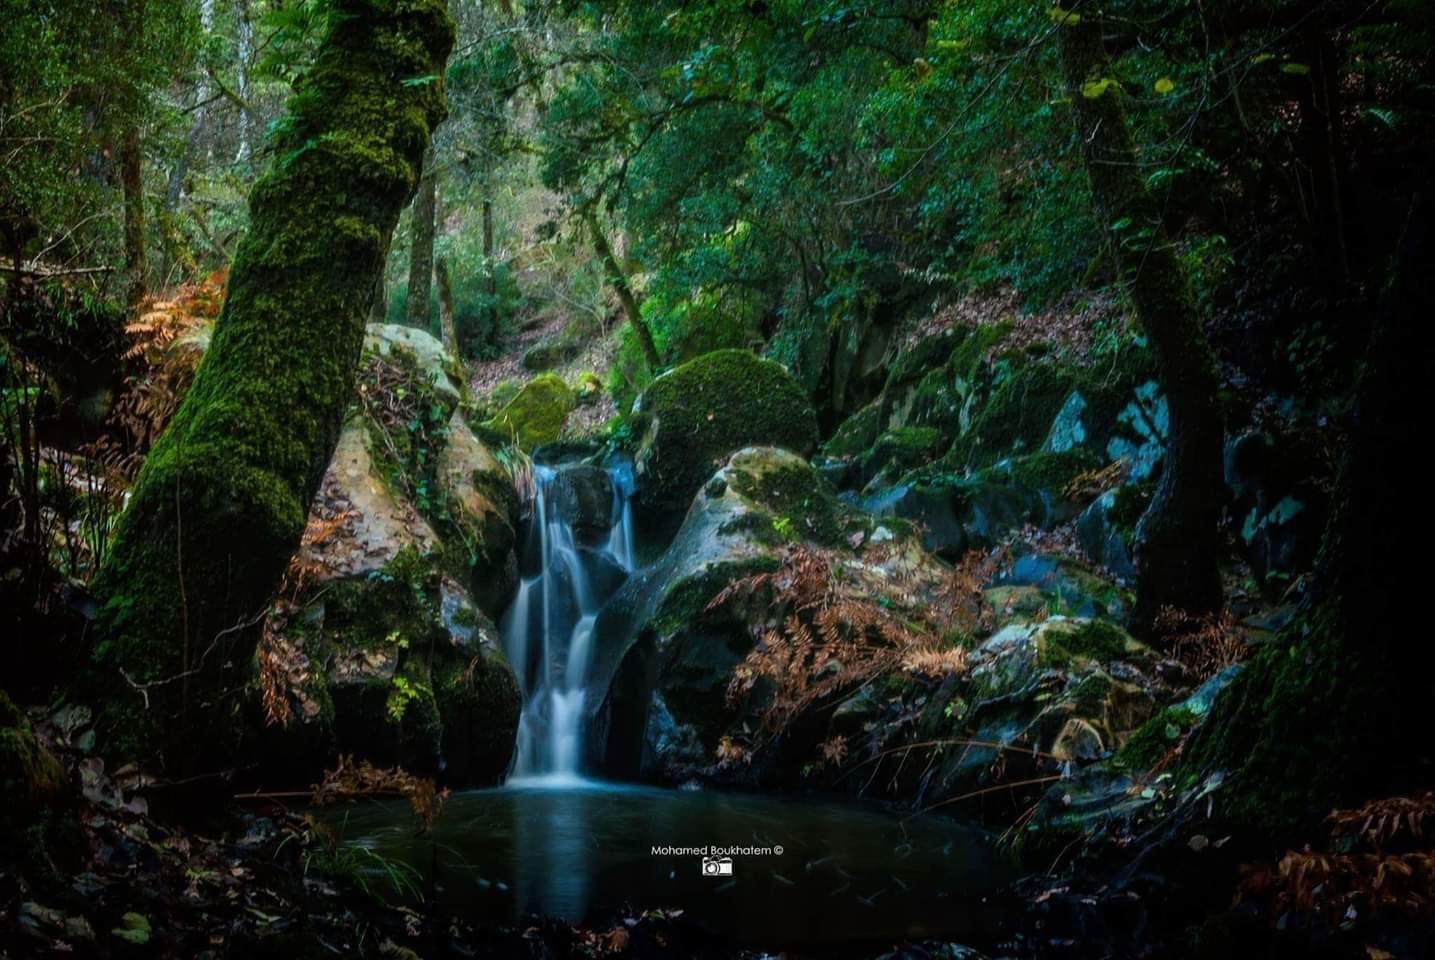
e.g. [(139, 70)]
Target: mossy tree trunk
[(1178, 538), (421, 252), (618, 277), (223, 497), (1337, 709)]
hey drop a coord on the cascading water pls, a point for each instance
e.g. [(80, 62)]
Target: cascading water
[(577, 552)]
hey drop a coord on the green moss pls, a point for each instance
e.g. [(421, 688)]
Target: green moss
[(856, 433), (798, 494), (1292, 727), (1098, 640), (479, 703), (1015, 417), (706, 409), (406, 449), (686, 601), (1155, 738), (38, 830), (536, 413), (29, 774), (758, 526), (1043, 470), (224, 494)]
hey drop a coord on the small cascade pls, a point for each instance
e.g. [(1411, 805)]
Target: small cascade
[(577, 552)]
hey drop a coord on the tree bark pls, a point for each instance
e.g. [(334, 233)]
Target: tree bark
[(222, 500), (421, 252), (1178, 538), (379, 306), (132, 182), (244, 50), (445, 306), (619, 279), (1336, 709), (491, 280)]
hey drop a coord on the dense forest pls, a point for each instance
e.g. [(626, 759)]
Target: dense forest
[(950, 466)]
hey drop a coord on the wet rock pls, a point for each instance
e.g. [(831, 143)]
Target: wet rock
[(657, 637), (1278, 497), (484, 507), (1106, 537), (584, 494), (1063, 691), (1069, 587)]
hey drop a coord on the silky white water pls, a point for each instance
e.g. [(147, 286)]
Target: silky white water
[(548, 631)]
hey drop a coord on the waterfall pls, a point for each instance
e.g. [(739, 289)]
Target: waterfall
[(577, 552)]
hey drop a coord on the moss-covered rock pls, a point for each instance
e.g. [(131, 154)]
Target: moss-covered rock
[(388, 657), (856, 433), (536, 413), (30, 776), (480, 516), (699, 413), (39, 834), (1062, 691), (438, 369), (898, 451), (671, 657), (221, 502), (550, 353)]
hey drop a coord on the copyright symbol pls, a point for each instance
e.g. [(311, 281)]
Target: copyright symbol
[(777, 850)]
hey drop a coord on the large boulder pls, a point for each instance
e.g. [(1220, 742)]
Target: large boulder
[(535, 415), (379, 651), (1063, 692), (666, 657), (482, 507), (439, 369), (700, 412)]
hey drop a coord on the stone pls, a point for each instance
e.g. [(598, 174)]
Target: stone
[(535, 415), (704, 410), (433, 360)]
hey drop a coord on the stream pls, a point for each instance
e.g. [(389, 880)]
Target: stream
[(588, 851), (554, 841)]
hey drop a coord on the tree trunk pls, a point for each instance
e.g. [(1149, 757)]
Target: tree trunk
[(1336, 709), (379, 306), (222, 500), (445, 306), (175, 189), (491, 281), (1178, 539), (245, 49), (421, 253), (132, 182), (619, 279)]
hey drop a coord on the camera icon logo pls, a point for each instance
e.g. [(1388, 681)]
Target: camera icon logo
[(717, 866)]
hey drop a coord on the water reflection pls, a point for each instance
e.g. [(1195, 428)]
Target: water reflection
[(584, 851)]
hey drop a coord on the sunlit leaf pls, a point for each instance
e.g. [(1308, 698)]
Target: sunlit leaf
[(1094, 89), (1165, 85), (1064, 17)]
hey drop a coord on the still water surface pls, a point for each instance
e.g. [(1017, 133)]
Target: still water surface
[(583, 850)]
